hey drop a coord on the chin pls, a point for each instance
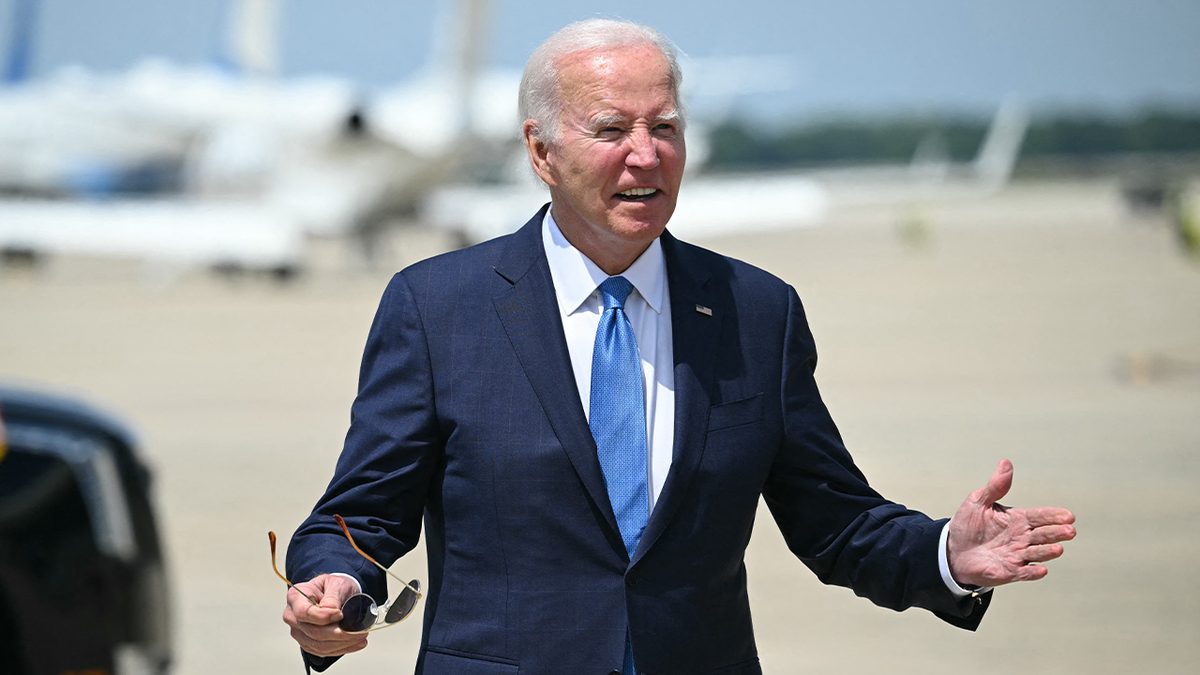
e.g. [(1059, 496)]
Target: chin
[(640, 230), (648, 225)]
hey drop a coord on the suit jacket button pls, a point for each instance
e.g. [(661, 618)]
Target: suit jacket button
[(632, 579), (614, 672)]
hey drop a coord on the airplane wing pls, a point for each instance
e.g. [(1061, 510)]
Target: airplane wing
[(168, 231)]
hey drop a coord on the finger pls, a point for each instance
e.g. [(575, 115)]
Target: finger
[(1049, 515), (1031, 573), (331, 600), (317, 615), (1051, 534), (305, 612), (314, 630), (1043, 552), (324, 635), (338, 589), (345, 644), (997, 486), (357, 646)]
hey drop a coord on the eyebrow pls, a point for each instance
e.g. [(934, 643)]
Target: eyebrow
[(673, 116), (602, 121)]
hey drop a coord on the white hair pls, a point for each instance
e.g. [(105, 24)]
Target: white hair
[(539, 96)]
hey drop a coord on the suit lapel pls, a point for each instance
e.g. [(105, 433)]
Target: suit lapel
[(528, 309), (695, 337)]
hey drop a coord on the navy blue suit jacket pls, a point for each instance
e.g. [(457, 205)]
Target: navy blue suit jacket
[(468, 419)]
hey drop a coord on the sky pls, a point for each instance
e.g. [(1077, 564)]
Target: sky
[(848, 56)]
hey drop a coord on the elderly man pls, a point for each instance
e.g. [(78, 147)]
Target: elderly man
[(585, 413)]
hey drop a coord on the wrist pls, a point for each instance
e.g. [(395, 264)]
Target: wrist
[(960, 590)]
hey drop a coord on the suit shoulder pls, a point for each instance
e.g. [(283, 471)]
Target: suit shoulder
[(731, 271), (455, 270), (471, 256)]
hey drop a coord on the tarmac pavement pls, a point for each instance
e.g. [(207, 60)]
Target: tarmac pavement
[(1046, 325)]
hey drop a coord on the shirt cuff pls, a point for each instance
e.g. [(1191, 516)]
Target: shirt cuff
[(358, 584), (944, 567)]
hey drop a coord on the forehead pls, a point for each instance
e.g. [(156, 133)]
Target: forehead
[(611, 77)]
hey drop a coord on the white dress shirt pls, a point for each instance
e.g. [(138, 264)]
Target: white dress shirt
[(576, 285)]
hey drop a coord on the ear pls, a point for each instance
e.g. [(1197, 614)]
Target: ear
[(539, 153)]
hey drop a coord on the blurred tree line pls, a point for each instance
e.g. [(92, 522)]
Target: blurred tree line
[(737, 145)]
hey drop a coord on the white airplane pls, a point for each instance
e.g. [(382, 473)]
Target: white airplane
[(204, 166), (201, 165)]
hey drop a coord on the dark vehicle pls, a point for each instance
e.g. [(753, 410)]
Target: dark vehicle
[(82, 583)]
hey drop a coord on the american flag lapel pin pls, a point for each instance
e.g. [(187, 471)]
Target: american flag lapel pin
[(704, 310)]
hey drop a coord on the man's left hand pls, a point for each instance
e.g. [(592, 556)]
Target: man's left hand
[(991, 545)]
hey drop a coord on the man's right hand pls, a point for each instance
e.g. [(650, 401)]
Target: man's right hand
[(314, 627)]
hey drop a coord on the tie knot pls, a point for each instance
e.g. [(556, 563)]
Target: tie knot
[(614, 291)]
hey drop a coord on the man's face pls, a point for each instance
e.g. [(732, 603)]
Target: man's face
[(615, 170)]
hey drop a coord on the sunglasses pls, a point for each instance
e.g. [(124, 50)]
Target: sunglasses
[(360, 613)]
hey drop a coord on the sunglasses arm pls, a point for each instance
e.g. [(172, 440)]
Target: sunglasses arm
[(271, 536), (345, 530), (405, 583)]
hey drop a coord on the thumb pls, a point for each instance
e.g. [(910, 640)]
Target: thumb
[(997, 486), (332, 599), (337, 589)]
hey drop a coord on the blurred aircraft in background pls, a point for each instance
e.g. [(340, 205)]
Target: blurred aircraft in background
[(232, 165)]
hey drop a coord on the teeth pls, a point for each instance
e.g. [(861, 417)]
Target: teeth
[(638, 192)]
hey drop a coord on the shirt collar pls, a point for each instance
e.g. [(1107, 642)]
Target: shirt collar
[(576, 277)]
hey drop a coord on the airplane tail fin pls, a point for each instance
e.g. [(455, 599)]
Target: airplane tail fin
[(253, 37), (997, 156), (20, 53), (460, 37), (459, 50)]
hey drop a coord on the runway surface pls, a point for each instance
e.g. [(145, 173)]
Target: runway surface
[(1046, 325)]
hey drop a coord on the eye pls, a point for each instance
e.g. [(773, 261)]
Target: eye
[(609, 132), (665, 129)]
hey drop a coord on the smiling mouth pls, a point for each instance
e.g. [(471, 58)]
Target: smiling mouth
[(636, 194)]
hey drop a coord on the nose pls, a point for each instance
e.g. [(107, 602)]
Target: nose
[(643, 153)]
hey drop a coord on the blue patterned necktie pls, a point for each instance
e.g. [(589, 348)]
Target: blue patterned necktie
[(617, 417), (617, 414)]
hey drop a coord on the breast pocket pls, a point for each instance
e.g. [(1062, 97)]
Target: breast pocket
[(736, 413)]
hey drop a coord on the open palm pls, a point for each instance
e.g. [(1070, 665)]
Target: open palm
[(992, 545)]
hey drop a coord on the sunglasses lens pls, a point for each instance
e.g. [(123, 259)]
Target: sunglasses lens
[(404, 603), (358, 614)]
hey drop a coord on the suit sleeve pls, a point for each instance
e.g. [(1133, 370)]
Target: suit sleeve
[(392, 451), (831, 519)]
